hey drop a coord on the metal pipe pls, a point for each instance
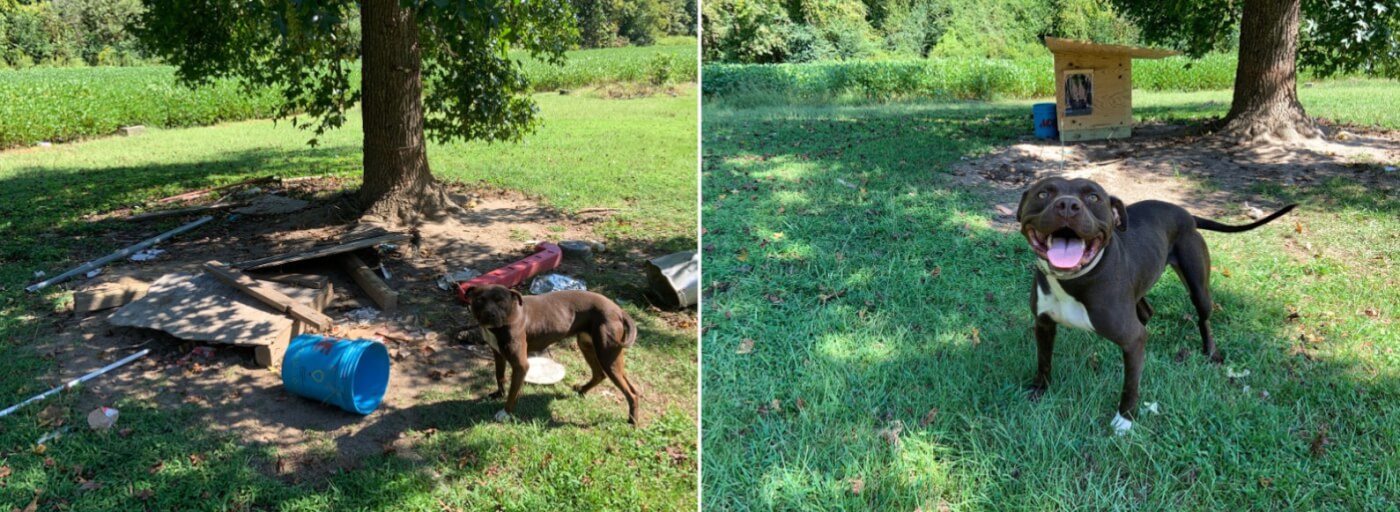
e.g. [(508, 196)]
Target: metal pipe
[(118, 255), (76, 381)]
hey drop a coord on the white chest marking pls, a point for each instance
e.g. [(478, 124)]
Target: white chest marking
[(1061, 307), (491, 339)]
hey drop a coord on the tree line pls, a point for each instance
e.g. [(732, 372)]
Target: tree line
[(776, 31), (102, 32)]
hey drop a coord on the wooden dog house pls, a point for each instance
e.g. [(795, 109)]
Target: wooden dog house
[(1094, 87)]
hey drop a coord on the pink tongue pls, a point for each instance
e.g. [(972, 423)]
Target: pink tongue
[(1065, 252)]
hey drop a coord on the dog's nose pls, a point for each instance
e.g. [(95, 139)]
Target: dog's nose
[(1068, 206)]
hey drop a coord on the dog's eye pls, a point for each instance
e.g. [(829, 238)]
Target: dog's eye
[(1094, 197), (1042, 195)]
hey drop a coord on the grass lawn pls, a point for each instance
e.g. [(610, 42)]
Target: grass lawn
[(880, 305), (636, 154)]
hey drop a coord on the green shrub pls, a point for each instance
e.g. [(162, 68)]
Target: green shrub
[(945, 78)]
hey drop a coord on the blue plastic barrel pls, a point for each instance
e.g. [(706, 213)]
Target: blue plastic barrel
[(1044, 116), (352, 374)]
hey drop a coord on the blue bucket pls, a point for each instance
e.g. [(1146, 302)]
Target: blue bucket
[(1044, 116), (352, 374)]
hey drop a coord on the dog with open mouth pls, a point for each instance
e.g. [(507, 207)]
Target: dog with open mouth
[(1096, 259)]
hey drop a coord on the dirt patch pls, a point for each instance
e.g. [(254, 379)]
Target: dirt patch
[(1201, 173), (430, 358)]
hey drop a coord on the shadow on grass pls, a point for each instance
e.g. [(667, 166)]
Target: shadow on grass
[(880, 307)]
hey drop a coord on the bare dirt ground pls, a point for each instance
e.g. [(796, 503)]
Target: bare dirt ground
[(1198, 172), (433, 352)]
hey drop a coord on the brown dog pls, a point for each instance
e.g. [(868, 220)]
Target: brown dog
[(515, 325)]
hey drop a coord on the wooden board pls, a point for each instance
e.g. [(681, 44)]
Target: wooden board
[(268, 295), (198, 307), (109, 295), (321, 252), (1114, 132), (1112, 91), (376, 288)]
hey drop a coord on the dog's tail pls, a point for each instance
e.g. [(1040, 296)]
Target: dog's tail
[(1211, 225), (629, 336)]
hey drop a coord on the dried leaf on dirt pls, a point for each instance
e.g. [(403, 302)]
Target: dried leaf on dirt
[(929, 417), (52, 416), (156, 468), (5, 471), (1318, 447)]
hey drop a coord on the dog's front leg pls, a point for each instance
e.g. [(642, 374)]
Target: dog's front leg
[(1133, 351), (1044, 352), (500, 375), (519, 366)]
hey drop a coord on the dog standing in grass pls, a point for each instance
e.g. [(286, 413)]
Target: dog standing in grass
[(515, 325)]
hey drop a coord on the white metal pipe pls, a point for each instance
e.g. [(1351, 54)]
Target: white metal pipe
[(76, 381), (117, 255)]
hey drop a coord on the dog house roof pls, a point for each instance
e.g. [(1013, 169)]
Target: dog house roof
[(1058, 45)]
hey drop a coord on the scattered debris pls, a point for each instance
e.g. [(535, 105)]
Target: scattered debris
[(676, 277), (451, 279), (39, 274), (51, 436), (1232, 374), (198, 307), (322, 251), (102, 418), (847, 184), (272, 205), (745, 346), (160, 214), (44, 144), (268, 295), (76, 381), (891, 433), (546, 257), (362, 316), (1253, 213), (98, 263), (555, 282), (377, 289), (1153, 408), (129, 131), (302, 280), (544, 371), (109, 295), (147, 255), (577, 250), (94, 273), (194, 194)]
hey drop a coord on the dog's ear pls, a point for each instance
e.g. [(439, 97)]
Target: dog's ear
[(519, 299), (472, 294), (1021, 205), (1120, 213)]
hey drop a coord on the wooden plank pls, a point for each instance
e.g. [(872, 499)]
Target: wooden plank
[(196, 193), (302, 280), (109, 295), (385, 297), (1116, 132), (268, 295), (1112, 90), (158, 214), (321, 252)]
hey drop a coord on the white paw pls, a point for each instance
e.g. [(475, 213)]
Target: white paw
[(502, 416), (1121, 425)]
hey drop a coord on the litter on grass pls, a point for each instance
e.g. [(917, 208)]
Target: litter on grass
[(362, 316), (147, 255), (556, 282), (450, 280), (544, 371)]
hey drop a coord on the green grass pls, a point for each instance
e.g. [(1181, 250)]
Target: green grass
[(65, 104), (568, 454), (892, 300), (859, 81)]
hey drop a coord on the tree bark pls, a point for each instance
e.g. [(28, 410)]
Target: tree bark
[(398, 185), (1265, 107)]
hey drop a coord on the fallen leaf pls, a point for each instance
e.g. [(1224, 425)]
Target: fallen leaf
[(1266, 482), (937, 271), (91, 485), (890, 434), (857, 485), (778, 236), (834, 295), (743, 254), (1298, 227), (745, 346), (929, 417), (976, 336), (801, 404), (1371, 312), (1225, 272), (34, 505), (124, 433), (49, 462), (52, 416), (156, 468), (1319, 442), (197, 459), (144, 494), (5, 471), (435, 374)]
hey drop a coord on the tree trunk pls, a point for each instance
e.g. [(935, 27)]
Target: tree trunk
[(398, 186), (1265, 107)]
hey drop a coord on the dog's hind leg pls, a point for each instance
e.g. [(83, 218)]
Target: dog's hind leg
[(1192, 264), (590, 354), (1144, 311), (611, 357)]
